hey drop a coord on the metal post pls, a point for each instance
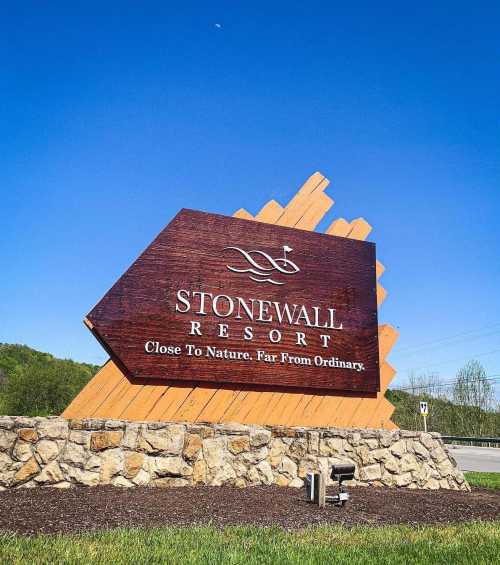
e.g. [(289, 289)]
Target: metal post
[(322, 490), (425, 423)]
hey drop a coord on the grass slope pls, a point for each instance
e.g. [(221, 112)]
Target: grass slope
[(465, 543), (483, 480)]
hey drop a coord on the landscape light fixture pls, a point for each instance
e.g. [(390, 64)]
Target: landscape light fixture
[(341, 473), (316, 485)]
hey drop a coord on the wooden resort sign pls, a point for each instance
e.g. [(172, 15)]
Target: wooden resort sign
[(230, 300), (255, 319)]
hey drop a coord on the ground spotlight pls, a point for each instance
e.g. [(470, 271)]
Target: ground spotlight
[(316, 485)]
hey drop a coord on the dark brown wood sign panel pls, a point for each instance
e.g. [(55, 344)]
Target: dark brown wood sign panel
[(228, 300)]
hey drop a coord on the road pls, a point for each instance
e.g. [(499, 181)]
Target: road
[(485, 459)]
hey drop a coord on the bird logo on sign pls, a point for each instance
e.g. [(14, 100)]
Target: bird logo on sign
[(262, 267)]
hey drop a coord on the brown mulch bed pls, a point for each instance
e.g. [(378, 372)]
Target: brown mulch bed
[(49, 510)]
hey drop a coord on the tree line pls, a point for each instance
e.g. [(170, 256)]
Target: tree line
[(464, 407), (33, 383)]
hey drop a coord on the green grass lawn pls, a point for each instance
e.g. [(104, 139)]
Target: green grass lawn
[(484, 480), (465, 543)]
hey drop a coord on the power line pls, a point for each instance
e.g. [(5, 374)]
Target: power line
[(437, 345), (434, 341), (491, 378), (436, 386), (470, 356)]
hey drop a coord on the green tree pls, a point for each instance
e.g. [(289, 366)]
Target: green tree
[(473, 393), (38, 384), (466, 409)]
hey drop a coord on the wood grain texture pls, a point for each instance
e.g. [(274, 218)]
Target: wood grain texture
[(243, 214), (360, 229), (143, 305), (270, 212), (235, 403)]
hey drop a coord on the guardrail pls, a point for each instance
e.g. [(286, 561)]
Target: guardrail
[(477, 441)]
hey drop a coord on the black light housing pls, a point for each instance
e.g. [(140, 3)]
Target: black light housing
[(344, 472), (340, 473)]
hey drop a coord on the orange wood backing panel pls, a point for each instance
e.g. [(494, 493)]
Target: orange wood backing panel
[(158, 408), (279, 406), (287, 407), (296, 414), (234, 409), (381, 409), (360, 229), (254, 405), (270, 212), (368, 410), (354, 412), (387, 373), (267, 408), (161, 405), (269, 414), (218, 405), (309, 410), (245, 402), (172, 400), (243, 214), (364, 411), (92, 397), (144, 402), (124, 400), (345, 410), (314, 185), (335, 409), (379, 269), (380, 415), (381, 294), (325, 407), (390, 425), (92, 388), (289, 404), (191, 408), (313, 215), (104, 407), (387, 336), (339, 227)]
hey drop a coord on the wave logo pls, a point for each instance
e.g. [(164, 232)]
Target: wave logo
[(261, 266)]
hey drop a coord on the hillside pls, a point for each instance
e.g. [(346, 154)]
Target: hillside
[(36, 383), (444, 417)]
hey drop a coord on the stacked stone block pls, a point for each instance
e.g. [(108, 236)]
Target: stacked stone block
[(62, 453)]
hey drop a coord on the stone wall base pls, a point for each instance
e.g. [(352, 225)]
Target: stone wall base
[(61, 453)]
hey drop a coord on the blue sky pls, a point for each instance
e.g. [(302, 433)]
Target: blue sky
[(115, 115)]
